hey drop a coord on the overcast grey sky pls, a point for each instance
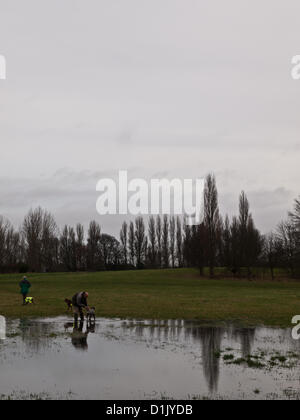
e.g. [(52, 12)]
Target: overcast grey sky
[(173, 87)]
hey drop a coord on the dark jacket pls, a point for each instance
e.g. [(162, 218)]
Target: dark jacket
[(25, 286), (79, 300)]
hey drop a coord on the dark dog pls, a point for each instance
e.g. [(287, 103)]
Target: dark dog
[(91, 314), (69, 303)]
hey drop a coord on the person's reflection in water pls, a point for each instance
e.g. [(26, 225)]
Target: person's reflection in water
[(78, 337)]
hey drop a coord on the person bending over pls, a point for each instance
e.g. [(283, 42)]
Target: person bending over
[(79, 302)]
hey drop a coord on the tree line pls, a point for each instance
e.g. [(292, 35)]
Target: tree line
[(161, 241)]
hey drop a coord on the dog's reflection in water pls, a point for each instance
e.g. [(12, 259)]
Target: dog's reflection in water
[(79, 336), (91, 326)]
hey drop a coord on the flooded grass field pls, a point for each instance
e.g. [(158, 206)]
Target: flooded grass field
[(119, 359)]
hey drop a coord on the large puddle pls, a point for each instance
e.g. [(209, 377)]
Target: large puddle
[(117, 359)]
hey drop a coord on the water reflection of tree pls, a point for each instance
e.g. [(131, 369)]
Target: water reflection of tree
[(35, 334), (211, 339), (246, 337)]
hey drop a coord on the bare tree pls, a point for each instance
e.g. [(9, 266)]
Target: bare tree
[(158, 240), (131, 241), (12, 250), (48, 242), (234, 246), (255, 246), (226, 244), (94, 260), (68, 249), (270, 250), (211, 220), (165, 242), (64, 249), (39, 230), (172, 240), (140, 242), (4, 227), (80, 248), (243, 228), (179, 242), (187, 243), (32, 231), (152, 241), (295, 215), (201, 254), (73, 249), (110, 251), (295, 218), (287, 235), (124, 241)]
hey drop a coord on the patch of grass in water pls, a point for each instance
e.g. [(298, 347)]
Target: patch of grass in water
[(239, 361), (254, 363), (228, 357), (250, 361), (293, 355), (254, 356), (281, 359)]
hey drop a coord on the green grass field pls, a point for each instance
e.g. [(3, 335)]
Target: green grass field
[(157, 294)]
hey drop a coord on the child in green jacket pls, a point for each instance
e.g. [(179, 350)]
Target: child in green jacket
[(25, 286)]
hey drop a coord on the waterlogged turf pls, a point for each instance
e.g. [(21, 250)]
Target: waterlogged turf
[(134, 359)]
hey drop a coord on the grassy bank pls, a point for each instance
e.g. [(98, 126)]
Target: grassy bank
[(157, 294)]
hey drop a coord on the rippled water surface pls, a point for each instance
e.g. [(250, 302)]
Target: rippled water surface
[(117, 359)]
